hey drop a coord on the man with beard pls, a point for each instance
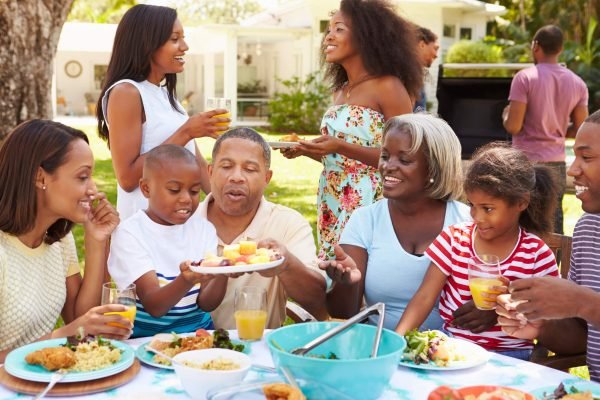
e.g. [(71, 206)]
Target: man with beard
[(239, 174)]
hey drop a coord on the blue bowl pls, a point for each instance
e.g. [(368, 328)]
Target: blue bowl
[(355, 373)]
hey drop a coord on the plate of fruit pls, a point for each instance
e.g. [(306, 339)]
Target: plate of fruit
[(237, 258)]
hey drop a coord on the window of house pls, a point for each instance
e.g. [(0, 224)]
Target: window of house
[(449, 31), (466, 33), (99, 75), (323, 24)]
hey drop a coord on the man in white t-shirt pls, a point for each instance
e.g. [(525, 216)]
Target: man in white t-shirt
[(239, 174)]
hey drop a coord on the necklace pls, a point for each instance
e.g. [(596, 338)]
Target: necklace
[(349, 86)]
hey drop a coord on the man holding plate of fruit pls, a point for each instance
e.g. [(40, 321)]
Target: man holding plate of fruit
[(239, 174)]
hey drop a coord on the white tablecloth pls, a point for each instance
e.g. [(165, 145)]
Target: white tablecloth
[(406, 384)]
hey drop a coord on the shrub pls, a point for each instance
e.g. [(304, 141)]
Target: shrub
[(301, 106), (467, 51)]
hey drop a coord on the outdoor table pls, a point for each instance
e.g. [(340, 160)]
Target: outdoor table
[(406, 383)]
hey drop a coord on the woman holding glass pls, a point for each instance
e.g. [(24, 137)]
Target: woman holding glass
[(41, 197), (375, 75), (138, 109)]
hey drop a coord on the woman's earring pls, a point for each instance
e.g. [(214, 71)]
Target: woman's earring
[(430, 180), (43, 187)]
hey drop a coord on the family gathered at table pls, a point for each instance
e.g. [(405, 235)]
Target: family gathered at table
[(398, 221)]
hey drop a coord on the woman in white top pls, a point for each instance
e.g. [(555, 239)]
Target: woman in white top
[(138, 109), (41, 196)]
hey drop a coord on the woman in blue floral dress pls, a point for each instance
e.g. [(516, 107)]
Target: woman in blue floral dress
[(375, 75)]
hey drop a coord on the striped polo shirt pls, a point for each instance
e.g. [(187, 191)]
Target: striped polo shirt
[(451, 252), (183, 317), (585, 271)]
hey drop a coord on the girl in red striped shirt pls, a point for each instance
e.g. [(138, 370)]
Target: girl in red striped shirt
[(510, 198)]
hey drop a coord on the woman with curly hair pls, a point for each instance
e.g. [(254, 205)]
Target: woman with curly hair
[(370, 58)]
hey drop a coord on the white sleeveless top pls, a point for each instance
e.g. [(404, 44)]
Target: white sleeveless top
[(161, 122)]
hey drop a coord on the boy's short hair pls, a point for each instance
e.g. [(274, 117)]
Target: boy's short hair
[(167, 152), (550, 39), (247, 134)]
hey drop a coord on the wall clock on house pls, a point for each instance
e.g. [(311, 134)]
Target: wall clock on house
[(73, 68)]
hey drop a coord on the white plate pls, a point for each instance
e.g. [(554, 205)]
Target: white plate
[(232, 269), (282, 145), (473, 354), (16, 365)]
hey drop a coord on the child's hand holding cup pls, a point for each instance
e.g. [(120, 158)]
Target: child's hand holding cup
[(486, 281)]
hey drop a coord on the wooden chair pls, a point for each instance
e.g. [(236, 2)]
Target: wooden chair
[(561, 247)]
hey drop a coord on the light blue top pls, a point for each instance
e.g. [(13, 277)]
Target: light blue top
[(393, 275)]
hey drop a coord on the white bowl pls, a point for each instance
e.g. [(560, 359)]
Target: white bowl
[(196, 382)]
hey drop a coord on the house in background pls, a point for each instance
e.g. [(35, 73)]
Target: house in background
[(245, 62)]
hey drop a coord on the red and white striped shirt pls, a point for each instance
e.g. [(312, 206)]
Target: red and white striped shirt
[(451, 252)]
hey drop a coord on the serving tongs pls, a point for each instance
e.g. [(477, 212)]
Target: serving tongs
[(378, 308)]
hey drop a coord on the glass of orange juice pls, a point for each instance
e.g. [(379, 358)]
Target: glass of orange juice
[(484, 273), (213, 103), (111, 294), (250, 312)]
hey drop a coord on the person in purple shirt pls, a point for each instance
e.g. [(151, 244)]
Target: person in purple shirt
[(564, 314), (543, 99)]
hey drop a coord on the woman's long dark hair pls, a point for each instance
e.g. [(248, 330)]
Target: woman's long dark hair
[(142, 30), (386, 42), (47, 144)]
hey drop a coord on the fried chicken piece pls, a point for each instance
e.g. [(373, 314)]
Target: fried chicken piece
[(292, 137), (52, 358), (282, 391)]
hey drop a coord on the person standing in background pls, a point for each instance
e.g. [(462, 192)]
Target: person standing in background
[(372, 81), (138, 109), (543, 99), (427, 48)]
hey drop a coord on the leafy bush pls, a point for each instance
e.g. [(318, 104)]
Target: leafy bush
[(466, 51), (301, 107), (584, 60)]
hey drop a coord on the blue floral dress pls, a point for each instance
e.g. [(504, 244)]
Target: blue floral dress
[(346, 184)]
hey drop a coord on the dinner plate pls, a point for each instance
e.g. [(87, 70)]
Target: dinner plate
[(147, 357), (232, 269), (474, 355), (282, 145), (580, 385), (16, 365), (478, 390)]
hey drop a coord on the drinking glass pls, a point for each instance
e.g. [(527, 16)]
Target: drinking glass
[(484, 271), (250, 312), (213, 103), (111, 294)]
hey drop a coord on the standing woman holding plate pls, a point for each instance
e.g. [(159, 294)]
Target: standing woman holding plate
[(41, 196), (371, 61), (138, 109)]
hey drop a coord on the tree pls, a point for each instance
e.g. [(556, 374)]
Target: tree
[(30, 31), (100, 12)]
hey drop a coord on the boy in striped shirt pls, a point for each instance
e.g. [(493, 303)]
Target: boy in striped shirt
[(154, 248), (564, 315)]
